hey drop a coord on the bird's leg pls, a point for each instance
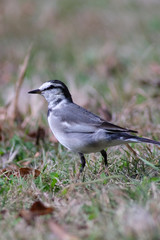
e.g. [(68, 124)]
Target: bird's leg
[(83, 162), (104, 155)]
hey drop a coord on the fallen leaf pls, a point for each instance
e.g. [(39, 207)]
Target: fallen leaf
[(23, 172), (37, 209), (7, 172), (60, 232)]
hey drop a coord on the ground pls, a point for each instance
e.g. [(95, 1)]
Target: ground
[(108, 54)]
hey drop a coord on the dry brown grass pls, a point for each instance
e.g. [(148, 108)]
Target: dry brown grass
[(108, 54)]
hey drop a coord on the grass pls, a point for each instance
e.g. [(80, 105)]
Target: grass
[(108, 54)]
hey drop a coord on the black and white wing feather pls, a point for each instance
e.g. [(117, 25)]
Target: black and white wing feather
[(78, 119)]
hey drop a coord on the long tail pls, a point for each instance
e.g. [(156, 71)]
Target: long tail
[(141, 139)]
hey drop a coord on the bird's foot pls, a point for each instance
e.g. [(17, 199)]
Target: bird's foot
[(106, 171), (79, 175)]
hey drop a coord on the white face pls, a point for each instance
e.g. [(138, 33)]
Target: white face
[(45, 85), (51, 94), (54, 91)]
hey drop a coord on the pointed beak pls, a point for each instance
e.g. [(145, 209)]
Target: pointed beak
[(36, 91)]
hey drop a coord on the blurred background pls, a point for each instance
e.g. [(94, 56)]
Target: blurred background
[(107, 52)]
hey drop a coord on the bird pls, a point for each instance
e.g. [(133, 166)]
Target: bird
[(80, 130)]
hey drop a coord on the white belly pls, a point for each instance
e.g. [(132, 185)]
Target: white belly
[(57, 130), (80, 141)]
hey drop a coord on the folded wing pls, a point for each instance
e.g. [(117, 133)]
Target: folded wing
[(78, 119)]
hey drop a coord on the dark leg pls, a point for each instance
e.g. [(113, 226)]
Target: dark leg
[(83, 162), (104, 155)]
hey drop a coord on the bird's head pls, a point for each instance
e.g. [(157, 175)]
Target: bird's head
[(53, 90)]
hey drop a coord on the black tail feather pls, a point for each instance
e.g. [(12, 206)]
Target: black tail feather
[(146, 140)]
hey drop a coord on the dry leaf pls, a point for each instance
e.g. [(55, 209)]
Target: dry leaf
[(23, 172), (37, 209), (12, 170), (59, 231)]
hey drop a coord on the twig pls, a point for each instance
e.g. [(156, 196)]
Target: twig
[(131, 149), (21, 74)]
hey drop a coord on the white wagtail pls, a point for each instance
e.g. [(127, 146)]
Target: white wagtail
[(78, 129)]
